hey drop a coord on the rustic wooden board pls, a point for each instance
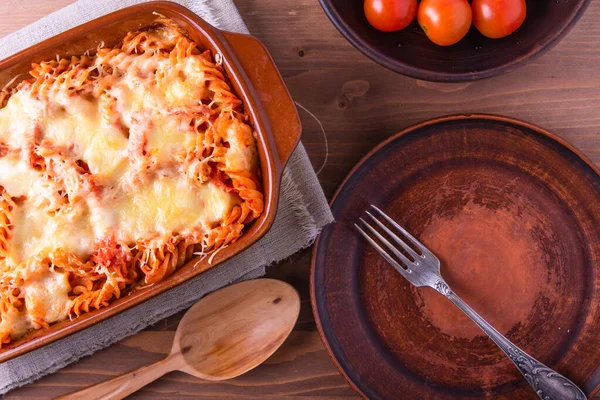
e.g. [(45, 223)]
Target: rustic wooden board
[(359, 104)]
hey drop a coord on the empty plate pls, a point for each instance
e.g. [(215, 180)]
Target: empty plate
[(513, 213)]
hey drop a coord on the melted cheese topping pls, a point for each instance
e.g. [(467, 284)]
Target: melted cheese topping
[(37, 232), (17, 177), (17, 120), (109, 156), (47, 297), (168, 134), (160, 206), (46, 294), (76, 124), (167, 139), (168, 204)]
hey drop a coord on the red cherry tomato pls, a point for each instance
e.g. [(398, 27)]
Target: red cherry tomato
[(390, 15), (498, 18), (445, 22)]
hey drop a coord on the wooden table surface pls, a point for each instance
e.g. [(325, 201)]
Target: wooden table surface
[(359, 104)]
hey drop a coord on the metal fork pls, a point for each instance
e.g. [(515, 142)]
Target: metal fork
[(422, 268)]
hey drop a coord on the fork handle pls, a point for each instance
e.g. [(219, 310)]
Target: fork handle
[(547, 383)]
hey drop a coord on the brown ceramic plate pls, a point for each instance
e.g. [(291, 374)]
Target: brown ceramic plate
[(513, 213), (254, 78)]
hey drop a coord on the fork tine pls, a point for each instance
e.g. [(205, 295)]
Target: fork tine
[(395, 237), (414, 241), (387, 244), (383, 253)]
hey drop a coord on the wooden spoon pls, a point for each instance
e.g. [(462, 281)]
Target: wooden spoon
[(225, 334)]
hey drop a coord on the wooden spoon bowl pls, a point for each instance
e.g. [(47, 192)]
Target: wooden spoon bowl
[(226, 334)]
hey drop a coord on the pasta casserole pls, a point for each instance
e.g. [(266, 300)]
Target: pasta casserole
[(115, 169)]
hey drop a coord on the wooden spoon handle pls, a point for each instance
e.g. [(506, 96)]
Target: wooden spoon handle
[(124, 385)]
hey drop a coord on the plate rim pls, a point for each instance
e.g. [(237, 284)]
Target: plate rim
[(373, 151)]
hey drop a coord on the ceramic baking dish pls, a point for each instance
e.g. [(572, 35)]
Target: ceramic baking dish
[(255, 80)]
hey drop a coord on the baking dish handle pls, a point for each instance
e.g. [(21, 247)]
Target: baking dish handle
[(268, 84)]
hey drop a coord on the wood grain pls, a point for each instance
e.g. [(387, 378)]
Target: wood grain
[(560, 92)]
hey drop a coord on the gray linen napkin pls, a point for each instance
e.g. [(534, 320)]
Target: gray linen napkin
[(303, 211)]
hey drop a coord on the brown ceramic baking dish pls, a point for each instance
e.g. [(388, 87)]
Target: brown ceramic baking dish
[(256, 81)]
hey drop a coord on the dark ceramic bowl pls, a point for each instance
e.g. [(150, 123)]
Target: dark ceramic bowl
[(409, 52)]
